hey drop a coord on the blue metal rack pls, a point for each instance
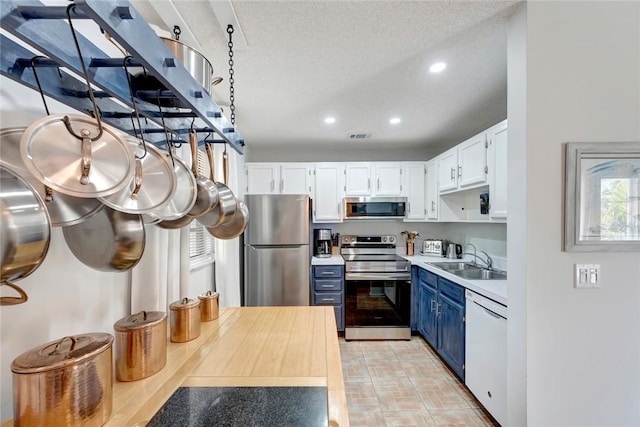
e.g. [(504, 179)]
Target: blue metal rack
[(45, 29)]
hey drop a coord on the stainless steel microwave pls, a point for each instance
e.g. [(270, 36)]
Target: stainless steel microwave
[(374, 207)]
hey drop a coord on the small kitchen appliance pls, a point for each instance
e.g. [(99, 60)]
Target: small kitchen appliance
[(322, 243), (436, 247)]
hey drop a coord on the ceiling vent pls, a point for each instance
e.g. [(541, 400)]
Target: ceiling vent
[(358, 136)]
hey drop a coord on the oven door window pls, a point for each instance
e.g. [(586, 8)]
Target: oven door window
[(378, 303)]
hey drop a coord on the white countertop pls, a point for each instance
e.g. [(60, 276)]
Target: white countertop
[(333, 260), (492, 289)]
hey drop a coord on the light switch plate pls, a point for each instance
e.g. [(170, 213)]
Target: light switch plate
[(586, 276)]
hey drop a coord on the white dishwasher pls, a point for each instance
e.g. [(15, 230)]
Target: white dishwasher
[(486, 354)]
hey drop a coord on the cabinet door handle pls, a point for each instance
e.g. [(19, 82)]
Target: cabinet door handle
[(368, 183), (433, 205), (459, 171), (438, 311), (327, 286), (378, 183), (273, 184), (433, 302), (453, 174), (327, 299), (408, 207), (281, 185), (327, 273)]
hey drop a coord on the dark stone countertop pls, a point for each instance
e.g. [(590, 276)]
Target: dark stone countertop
[(244, 406)]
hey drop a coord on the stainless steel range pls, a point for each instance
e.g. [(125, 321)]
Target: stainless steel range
[(378, 289)]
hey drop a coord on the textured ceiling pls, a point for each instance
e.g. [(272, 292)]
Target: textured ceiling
[(359, 61)]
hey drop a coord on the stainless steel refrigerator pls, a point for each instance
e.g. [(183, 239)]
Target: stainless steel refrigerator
[(277, 250)]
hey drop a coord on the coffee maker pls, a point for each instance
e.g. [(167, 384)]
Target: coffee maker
[(322, 242)]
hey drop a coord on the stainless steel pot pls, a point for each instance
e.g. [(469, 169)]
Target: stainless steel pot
[(63, 209), (25, 231), (195, 62), (185, 320), (78, 168), (152, 185), (108, 241), (141, 345), (236, 227), (67, 382), (225, 209), (185, 195)]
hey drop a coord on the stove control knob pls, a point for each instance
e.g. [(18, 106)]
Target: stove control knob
[(384, 239), (392, 239)]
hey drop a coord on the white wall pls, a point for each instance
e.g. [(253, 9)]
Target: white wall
[(582, 80)]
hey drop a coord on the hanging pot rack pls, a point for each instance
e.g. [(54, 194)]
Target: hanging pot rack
[(46, 31)]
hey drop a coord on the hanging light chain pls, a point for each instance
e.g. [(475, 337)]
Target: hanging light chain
[(232, 96)]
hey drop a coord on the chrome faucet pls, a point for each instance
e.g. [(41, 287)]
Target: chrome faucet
[(488, 261), (475, 256)]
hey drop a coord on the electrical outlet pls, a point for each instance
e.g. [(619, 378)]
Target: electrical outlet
[(587, 276)]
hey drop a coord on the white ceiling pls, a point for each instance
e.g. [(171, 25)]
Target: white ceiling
[(359, 61)]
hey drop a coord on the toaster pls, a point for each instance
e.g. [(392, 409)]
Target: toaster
[(436, 247)]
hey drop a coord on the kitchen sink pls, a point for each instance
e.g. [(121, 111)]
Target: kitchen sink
[(470, 271), (481, 274), (455, 266)]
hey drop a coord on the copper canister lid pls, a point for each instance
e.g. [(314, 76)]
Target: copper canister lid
[(61, 353), (208, 295), (183, 304), (141, 320)]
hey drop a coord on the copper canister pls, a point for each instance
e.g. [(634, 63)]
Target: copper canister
[(185, 320), (67, 382), (141, 345), (209, 306)]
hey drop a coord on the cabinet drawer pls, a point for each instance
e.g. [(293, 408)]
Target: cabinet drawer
[(454, 291), (327, 271), (428, 277), (327, 298), (327, 285)]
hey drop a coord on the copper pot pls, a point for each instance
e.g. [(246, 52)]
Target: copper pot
[(209, 306), (67, 382), (185, 320), (141, 345)]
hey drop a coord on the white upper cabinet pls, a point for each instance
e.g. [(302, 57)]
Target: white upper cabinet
[(295, 178), (448, 170), (472, 161), (373, 179), (415, 190), (464, 166), (329, 192), (433, 197), (497, 164), (358, 179), (279, 178), (262, 178), (388, 179)]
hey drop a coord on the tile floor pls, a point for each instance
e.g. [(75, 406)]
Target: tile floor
[(404, 383)]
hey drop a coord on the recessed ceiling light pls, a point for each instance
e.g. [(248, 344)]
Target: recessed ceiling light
[(437, 67), (394, 120), (329, 120)]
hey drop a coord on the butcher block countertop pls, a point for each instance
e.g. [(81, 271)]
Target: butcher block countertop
[(245, 346)]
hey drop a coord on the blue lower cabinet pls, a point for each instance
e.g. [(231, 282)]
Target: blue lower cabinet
[(440, 317), (451, 334), (327, 288)]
